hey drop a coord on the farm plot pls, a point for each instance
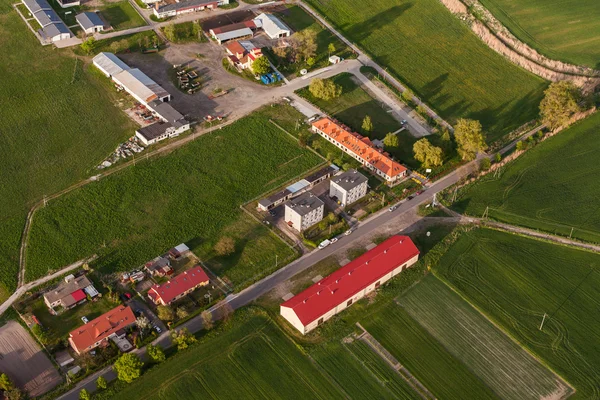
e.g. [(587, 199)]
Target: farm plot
[(253, 359), (49, 138), (430, 50), (569, 33), (24, 362), (500, 362), (191, 195), (552, 187), (516, 280)]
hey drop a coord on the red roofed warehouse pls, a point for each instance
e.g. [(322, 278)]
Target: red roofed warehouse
[(179, 286), (90, 335), (350, 283), (360, 148)]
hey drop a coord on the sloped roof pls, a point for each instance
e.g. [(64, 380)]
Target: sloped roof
[(102, 327), (271, 24), (238, 33), (47, 17), (89, 20), (110, 63), (349, 280), (66, 288), (305, 203), (350, 179), (36, 5), (178, 285), (139, 83)]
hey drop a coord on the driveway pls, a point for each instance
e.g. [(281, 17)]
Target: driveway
[(137, 304)]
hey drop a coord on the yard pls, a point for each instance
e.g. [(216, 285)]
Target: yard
[(430, 50), (42, 153), (516, 280), (191, 195), (570, 33), (122, 15), (538, 192)]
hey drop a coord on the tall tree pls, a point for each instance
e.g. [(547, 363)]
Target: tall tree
[(391, 140), (428, 154), (165, 313), (170, 32), (182, 339), (261, 65), (101, 383), (5, 382), (128, 367), (156, 353), (304, 44), (182, 312), (367, 125), (331, 48), (324, 89), (469, 138), (142, 323), (207, 320), (559, 103)]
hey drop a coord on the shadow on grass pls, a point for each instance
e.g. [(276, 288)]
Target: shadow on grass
[(362, 30)]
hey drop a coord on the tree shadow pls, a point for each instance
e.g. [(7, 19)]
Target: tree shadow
[(362, 30)]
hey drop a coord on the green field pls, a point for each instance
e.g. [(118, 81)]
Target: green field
[(515, 280), (58, 122), (429, 49), (500, 362), (551, 187), (252, 360), (122, 15), (192, 195), (567, 31)]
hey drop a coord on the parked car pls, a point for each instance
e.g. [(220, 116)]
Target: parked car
[(157, 329), (287, 99), (348, 232), (273, 213), (84, 319), (404, 122), (333, 240), (419, 192), (411, 197), (324, 244), (392, 208)]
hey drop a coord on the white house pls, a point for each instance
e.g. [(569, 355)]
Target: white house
[(347, 285), (163, 9), (304, 211), (90, 22), (272, 26), (348, 187)]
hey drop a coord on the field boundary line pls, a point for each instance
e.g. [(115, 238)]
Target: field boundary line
[(380, 350)]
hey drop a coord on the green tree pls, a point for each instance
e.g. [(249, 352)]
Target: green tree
[(346, 166), (367, 125), (170, 32), (485, 164), (128, 367), (446, 136), (5, 382), (559, 104), (428, 154), (304, 44), (40, 333), (156, 353), (88, 45), (303, 138), (469, 138), (207, 320), (181, 312), (225, 246), (14, 394), (261, 65), (165, 313), (324, 89), (498, 157), (310, 61), (520, 145), (331, 48), (407, 95), (84, 394), (391, 140), (330, 156), (101, 383), (182, 339)]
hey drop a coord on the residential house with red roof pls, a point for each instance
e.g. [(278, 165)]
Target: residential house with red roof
[(179, 286), (242, 54), (352, 282), (361, 148), (98, 330)]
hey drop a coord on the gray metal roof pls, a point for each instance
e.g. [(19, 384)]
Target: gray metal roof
[(52, 30), (110, 63), (66, 288), (183, 4), (350, 179), (36, 5), (89, 20), (298, 186), (47, 17), (139, 83), (155, 130), (305, 203), (271, 24), (238, 33), (166, 111)]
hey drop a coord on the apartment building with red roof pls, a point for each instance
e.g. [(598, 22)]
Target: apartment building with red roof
[(352, 282), (361, 148), (92, 334), (179, 286)]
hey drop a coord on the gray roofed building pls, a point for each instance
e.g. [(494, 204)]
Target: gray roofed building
[(109, 64), (154, 133), (141, 86), (304, 211), (273, 26), (274, 200), (236, 34), (321, 174), (62, 294), (90, 22), (166, 111), (36, 5), (348, 187), (54, 32), (160, 266), (173, 8), (47, 17)]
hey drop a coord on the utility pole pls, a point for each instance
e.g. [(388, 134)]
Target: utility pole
[(543, 320)]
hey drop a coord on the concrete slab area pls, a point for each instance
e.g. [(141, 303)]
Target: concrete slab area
[(288, 296), (371, 246), (317, 278)]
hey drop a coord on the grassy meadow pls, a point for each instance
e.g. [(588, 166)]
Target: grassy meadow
[(438, 57), (58, 122), (191, 195), (122, 15), (552, 187), (567, 31), (516, 280)]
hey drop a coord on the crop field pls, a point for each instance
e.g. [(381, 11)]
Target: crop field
[(438, 57), (552, 187), (252, 360), (568, 31), (49, 138), (501, 363), (516, 280), (191, 195)]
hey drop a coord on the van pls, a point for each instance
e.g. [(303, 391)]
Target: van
[(324, 243)]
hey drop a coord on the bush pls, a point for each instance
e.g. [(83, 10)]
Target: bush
[(485, 164)]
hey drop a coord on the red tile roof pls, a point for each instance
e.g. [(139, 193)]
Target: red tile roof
[(102, 327), (235, 48), (355, 276), (78, 295), (179, 284), (360, 145)]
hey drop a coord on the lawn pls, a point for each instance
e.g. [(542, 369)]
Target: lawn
[(185, 32), (551, 187), (50, 138), (425, 46), (299, 20), (122, 15), (191, 195), (250, 359), (500, 363), (515, 280), (570, 33)]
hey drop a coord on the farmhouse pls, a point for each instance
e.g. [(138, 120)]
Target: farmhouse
[(171, 8), (53, 28), (242, 54), (304, 211), (179, 286), (237, 31), (71, 292), (160, 266), (90, 22), (340, 290), (272, 26), (361, 148), (98, 330), (348, 187)]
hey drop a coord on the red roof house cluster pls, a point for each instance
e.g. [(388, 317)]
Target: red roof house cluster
[(90, 335), (179, 286), (241, 56)]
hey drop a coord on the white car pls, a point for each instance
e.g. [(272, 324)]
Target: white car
[(392, 208), (84, 319), (348, 232), (333, 240)]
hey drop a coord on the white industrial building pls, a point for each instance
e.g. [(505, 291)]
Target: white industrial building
[(140, 86), (171, 8), (90, 22), (172, 124), (348, 187), (304, 211), (109, 64), (272, 26), (52, 28)]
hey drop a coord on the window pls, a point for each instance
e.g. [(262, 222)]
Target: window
[(320, 321), (349, 303), (377, 284)]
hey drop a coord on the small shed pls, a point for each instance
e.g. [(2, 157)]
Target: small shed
[(178, 251), (334, 60), (90, 22)]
